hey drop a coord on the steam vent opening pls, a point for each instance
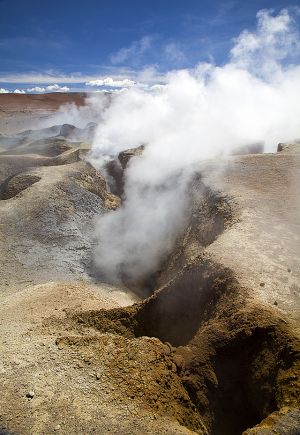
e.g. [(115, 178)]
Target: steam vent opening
[(229, 353)]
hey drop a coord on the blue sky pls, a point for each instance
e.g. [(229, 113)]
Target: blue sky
[(69, 43)]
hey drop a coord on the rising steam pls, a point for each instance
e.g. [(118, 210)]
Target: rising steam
[(196, 115)]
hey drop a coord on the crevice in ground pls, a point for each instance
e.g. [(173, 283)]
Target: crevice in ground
[(244, 366), (210, 214), (237, 360), (116, 169)]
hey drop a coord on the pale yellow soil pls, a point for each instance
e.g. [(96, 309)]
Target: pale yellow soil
[(78, 387)]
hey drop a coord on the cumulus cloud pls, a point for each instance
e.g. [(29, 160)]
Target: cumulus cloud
[(36, 89), (197, 115), (19, 91), (57, 88), (50, 88), (136, 49), (111, 82)]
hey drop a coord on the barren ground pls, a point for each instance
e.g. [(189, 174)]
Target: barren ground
[(214, 350)]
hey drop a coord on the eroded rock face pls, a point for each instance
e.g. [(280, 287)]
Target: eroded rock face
[(282, 422), (126, 155), (116, 169)]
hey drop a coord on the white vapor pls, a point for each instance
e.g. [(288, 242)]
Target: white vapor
[(78, 116), (276, 39), (198, 114)]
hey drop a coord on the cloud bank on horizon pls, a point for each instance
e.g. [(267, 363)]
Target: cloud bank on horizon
[(37, 90), (196, 115)]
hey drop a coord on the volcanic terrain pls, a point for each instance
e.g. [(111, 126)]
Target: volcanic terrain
[(215, 347)]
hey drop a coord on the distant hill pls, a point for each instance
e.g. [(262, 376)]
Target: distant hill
[(10, 103)]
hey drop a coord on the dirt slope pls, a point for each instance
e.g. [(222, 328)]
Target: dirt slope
[(56, 376), (87, 383), (268, 235)]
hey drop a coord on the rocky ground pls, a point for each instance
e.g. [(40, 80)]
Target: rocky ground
[(214, 350)]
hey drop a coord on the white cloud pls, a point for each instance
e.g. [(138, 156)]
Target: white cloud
[(4, 91), (18, 91), (50, 88), (109, 81), (137, 48), (36, 89), (57, 88)]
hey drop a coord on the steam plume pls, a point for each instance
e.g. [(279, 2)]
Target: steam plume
[(198, 114)]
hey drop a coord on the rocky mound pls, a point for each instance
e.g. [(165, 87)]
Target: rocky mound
[(35, 141)]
